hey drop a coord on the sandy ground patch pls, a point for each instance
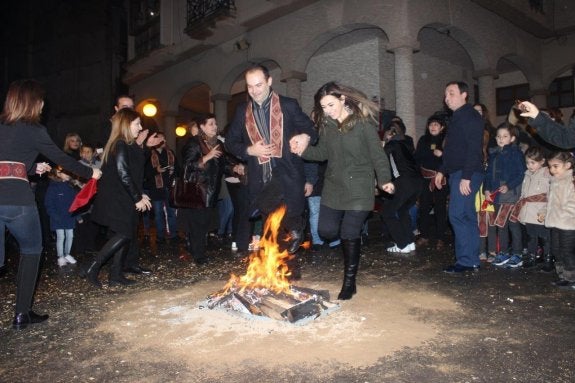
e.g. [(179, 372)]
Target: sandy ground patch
[(378, 321)]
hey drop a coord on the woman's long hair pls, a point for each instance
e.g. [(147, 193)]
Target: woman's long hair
[(67, 140), (120, 130), (356, 102), (24, 102)]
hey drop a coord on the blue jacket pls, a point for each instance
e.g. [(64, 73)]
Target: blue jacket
[(506, 167), (464, 143), (59, 197)]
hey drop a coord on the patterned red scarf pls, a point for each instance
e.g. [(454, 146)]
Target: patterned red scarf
[(514, 217), (276, 127), (155, 160)]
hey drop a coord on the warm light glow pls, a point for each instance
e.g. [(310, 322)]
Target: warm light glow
[(181, 131), (267, 268), (149, 110)]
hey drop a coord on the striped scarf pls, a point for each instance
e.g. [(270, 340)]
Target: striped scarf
[(269, 132)]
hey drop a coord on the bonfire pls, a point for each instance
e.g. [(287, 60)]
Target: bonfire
[(265, 289)]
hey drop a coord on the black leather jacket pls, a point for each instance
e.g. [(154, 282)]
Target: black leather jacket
[(210, 173)]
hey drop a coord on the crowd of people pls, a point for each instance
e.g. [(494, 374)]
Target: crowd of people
[(507, 199)]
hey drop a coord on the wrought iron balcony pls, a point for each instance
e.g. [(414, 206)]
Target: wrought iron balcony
[(203, 14)]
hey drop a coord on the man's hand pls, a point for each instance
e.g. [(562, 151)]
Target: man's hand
[(439, 180), (259, 149), (308, 189), (298, 144), (528, 109), (464, 186)]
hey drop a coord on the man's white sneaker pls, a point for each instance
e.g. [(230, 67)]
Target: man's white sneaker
[(71, 260), (407, 249), (234, 246), (62, 261)]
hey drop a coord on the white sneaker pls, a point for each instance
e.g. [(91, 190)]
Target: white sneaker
[(71, 260), (406, 250), (62, 261), (234, 246)]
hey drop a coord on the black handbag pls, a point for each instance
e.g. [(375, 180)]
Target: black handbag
[(188, 194)]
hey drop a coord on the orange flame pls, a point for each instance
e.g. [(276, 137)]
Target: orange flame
[(267, 267)]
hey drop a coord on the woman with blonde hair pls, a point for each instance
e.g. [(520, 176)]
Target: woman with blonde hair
[(348, 140), (72, 145), (119, 197), (23, 138)]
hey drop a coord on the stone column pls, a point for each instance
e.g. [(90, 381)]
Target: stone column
[(220, 101), (539, 97), (486, 91), (404, 87), (293, 81), (169, 128)]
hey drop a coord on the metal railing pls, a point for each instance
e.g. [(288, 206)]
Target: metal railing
[(203, 14)]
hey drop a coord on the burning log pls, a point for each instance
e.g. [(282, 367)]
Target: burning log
[(265, 290)]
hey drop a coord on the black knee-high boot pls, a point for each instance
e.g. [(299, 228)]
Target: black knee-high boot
[(116, 274), (113, 245), (351, 250), (27, 278)]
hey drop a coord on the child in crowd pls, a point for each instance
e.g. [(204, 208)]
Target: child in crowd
[(503, 179), (560, 217), (88, 157), (59, 197), (86, 231), (408, 184), (532, 205), (432, 201)]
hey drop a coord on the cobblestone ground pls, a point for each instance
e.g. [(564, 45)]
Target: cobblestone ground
[(512, 325)]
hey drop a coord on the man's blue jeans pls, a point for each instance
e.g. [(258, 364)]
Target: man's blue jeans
[(160, 218), (313, 204), (463, 218)]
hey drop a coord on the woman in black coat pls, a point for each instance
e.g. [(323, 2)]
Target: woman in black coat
[(202, 157), (119, 197)]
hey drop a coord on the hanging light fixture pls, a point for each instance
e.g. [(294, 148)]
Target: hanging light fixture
[(181, 130), (149, 110)]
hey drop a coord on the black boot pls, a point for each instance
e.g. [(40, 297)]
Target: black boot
[(116, 274), (351, 250), (22, 320), (113, 245), (548, 265), (91, 274), (27, 277)]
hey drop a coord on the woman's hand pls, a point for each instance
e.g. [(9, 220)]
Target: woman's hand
[(96, 173), (216, 152), (42, 167), (144, 204), (503, 189), (154, 140), (239, 169), (298, 144), (439, 180), (528, 109)]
